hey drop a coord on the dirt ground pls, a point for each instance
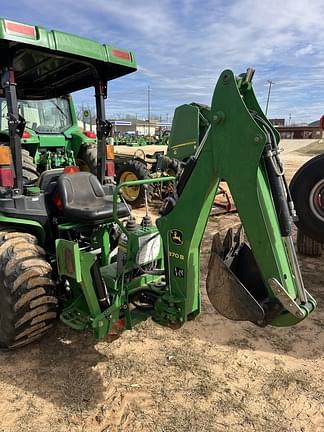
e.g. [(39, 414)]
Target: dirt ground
[(211, 375)]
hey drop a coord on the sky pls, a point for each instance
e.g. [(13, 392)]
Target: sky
[(182, 46)]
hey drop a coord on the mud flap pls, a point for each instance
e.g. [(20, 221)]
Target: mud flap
[(234, 284)]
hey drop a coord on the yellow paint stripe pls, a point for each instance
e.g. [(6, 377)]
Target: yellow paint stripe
[(184, 144)]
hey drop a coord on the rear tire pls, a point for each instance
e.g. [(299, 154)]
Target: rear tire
[(134, 170), (87, 158), (307, 246), (29, 168), (28, 305), (307, 190)]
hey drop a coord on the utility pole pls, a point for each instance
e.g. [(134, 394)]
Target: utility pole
[(270, 85), (149, 108)]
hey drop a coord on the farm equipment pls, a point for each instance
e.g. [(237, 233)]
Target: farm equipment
[(307, 190), (138, 140), (144, 163), (164, 158), (51, 138), (70, 247)]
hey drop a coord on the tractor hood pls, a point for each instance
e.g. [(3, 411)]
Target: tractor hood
[(52, 63)]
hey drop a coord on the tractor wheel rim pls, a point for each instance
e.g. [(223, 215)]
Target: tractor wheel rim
[(316, 200), (130, 193)]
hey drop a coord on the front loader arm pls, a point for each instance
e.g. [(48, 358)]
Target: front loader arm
[(264, 286)]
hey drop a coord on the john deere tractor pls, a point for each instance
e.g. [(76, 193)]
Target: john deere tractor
[(70, 248), (51, 137), (166, 158)]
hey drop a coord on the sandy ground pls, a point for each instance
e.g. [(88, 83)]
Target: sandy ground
[(211, 375)]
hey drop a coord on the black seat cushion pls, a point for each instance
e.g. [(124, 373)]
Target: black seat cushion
[(84, 199)]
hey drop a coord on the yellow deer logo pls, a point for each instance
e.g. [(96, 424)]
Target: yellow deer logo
[(176, 237)]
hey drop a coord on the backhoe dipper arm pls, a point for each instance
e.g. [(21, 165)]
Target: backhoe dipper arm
[(260, 282)]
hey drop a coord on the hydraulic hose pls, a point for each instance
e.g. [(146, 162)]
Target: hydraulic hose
[(99, 286), (279, 197), (282, 201), (277, 182)]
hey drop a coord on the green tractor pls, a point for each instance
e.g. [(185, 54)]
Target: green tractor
[(51, 137), (70, 248), (174, 149)]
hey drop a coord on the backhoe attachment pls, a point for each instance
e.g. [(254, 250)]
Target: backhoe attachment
[(252, 275)]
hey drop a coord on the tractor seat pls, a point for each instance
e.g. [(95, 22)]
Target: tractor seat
[(84, 199), (48, 179)]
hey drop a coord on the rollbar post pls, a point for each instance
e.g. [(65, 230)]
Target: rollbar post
[(101, 95), (9, 85)]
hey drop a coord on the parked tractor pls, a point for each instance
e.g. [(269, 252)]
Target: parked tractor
[(70, 248), (148, 162), (51, 137), (165, 158)]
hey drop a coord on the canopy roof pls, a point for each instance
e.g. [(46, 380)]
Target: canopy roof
[(53, 63)]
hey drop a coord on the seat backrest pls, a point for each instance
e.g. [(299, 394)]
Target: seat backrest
[(79, 189), (48, 177)]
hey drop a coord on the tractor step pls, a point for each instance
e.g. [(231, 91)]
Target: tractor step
[(75, 318)]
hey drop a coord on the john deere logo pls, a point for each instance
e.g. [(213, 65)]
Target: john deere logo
[(176, 237)]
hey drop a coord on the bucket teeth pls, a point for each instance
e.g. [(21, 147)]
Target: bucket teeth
[(232, 242)]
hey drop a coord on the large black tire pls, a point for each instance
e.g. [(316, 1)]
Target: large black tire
[(134, 170), (29, 170), (28, 305), (307, 190), (173, 170), (87, 158), (307, 246)]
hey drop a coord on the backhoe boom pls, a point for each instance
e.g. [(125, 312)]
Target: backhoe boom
[(259, 282)]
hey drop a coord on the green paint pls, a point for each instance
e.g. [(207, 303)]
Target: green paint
[(34, 227), (133, 183), (231, 143), (55, 43), (68, 259), (232, 152)]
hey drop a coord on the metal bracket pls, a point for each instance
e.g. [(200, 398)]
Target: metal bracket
[(284, 298), (104, 128)]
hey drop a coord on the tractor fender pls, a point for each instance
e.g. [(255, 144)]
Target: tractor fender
[(28, 225)]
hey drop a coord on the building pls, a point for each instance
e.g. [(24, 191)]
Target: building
[(277, 122), (135, 127), (300, 132)]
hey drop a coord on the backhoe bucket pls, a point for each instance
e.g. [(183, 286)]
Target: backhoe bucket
[(234, 284)]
